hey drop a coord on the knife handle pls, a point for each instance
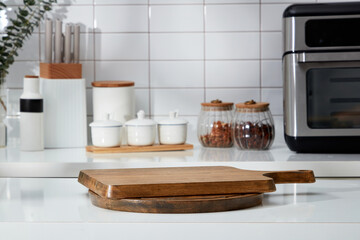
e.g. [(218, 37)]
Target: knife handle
[(58, 41), (67, 43), (48, 40), (76, 43)]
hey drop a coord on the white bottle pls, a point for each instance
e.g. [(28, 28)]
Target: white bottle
[(31, 116)]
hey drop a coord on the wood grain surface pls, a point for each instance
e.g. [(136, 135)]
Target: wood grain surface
[(189, 204), (61, 70), (130, 149), (186, 181), (112, 84)]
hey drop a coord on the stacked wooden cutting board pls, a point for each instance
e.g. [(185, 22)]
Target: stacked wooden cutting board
[(184, 189)]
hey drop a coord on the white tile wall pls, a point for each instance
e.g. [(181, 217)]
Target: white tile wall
[(186, 100), (121, 18), (177, 74), (271, 73), (174, 46), (233, 94), (121, 46), (176, 18), (30, 51), (237, 73), (235, 45), (231, 1), (74, 14), (275, 97), (271, 16), (88, 71), (112, 2), (175, 1), (142, 100), (232, 17), (271, 45), (179, 53), (74, 2), (18, 70), (137, 71)]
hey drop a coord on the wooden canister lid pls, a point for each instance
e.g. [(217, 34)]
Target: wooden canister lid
[(112, 84), (252, 105), (217, 103)]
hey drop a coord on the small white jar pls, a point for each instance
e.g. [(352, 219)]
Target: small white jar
[(106, 133), (141, 131), (172, 130)]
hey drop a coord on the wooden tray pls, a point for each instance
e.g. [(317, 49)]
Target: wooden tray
[(129, 149), (186, 181), (189, 204)]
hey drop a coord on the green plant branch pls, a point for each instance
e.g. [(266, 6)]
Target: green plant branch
[(3, 104), (20, 28), (23, 37)]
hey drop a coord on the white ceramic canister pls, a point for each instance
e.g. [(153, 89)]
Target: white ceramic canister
[(172, 130), (114, 97), (141, 131), (106, 133)]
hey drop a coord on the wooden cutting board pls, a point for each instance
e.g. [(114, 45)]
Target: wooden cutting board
[(187, 204), (131, 149), (186, 181)]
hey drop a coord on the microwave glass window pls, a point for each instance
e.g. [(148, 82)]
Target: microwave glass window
[(332, 32), (333, 98)]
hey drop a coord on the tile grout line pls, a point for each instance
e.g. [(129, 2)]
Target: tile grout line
[(183, 115), (148, 58), (164, 4), (94, 47), (162, 60), (195, 88), (39, 47), (181, 32), (204, 48), (260, 52)]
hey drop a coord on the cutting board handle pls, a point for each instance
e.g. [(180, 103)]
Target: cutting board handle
[(298, 176)]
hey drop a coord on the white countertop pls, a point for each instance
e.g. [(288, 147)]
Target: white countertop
[(61, 209), (44, 207), (68, 162)]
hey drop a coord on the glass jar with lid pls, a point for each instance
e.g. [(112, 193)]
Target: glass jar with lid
[(253, 126), (214, 127)]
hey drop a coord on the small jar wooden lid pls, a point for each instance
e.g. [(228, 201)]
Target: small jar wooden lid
[(252, 105), (112, 84), (217, 103)]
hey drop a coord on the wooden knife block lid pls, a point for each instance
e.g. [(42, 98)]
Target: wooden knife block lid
[(61, 70)]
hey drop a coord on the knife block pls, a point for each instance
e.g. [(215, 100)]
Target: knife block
[(64, 93), (61, 70)]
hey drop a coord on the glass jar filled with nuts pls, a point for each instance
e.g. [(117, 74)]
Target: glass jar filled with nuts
[(215, 124), (253, 126)]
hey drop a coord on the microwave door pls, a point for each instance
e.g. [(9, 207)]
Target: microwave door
[(322, 94), (322, 102), (333, 98), (332, 93)]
